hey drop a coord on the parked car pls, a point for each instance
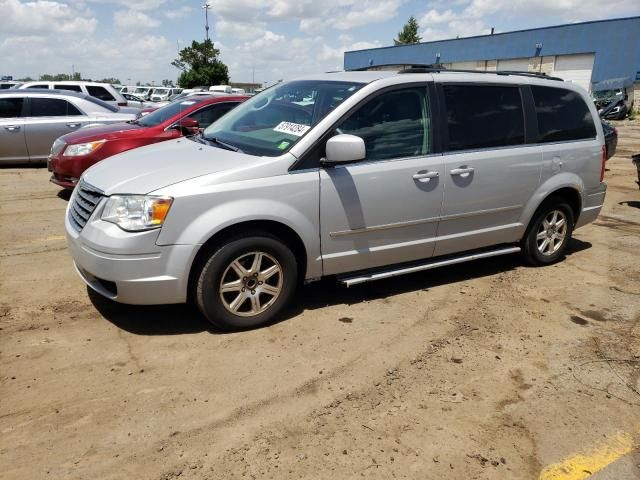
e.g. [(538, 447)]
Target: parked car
[(101, 91), (165, 94), (30, 120), (144, 93), (384, 174), (9, 84), (614, 98), (221, 88), (610, 139), (137, 102), (72, 154), (185, 95)]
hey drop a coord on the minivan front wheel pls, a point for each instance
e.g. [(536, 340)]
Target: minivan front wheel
[(246, 282), (549, 233)]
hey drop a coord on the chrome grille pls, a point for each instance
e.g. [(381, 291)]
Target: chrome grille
[(85, 201)]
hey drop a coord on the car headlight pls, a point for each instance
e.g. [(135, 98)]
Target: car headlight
[(81, 149), (137, 212), (57, 146)]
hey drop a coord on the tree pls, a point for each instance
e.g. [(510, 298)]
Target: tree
[(111, 80), (409, 33), (60, 77), (200, 65)]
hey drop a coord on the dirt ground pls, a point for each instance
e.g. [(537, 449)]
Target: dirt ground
[(488, 370)]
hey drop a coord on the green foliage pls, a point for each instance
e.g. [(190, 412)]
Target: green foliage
[(409, 33), (200, 65), (60, 77), (110, 80), (167, 83)]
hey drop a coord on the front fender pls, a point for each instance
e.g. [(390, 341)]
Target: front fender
[(291, 200), (553, 184)]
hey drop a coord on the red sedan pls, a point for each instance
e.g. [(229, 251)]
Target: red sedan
[(73, 153)]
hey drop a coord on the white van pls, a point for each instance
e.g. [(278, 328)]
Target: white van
[(102, 91), (221, 88)]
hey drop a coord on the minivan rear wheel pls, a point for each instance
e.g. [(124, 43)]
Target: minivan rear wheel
[(549, 233), (246, 282)]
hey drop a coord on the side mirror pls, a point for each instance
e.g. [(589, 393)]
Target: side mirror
[(345, 148), (189, 125)]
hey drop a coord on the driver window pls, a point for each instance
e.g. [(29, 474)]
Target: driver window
[(393, 125)]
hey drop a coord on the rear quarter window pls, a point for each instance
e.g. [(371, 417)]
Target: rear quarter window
[(483, 116), (100, 93), (562, 115)]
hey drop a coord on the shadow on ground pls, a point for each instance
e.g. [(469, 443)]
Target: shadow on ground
[(631, 203), (186, 319)]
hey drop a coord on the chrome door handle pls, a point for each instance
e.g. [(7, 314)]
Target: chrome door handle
[(425, 176), (73, 125), (461, 171), (12, 128)]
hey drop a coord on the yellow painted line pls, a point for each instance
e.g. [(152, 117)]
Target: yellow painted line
[(582, 466)]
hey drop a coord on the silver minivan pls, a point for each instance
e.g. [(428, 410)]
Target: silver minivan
[(357, 175)]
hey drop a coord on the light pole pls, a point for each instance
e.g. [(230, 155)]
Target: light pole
[(206, 7)]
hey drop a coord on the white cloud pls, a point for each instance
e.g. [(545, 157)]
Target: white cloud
[(179, 12), (134, 19), (40, 16)]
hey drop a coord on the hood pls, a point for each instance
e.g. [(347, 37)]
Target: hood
[(101, 132), (143, 170)]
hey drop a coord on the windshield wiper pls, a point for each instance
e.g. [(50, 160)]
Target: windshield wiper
[(214, 141)]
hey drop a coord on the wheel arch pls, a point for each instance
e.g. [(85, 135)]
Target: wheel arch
[(283, 232), (566, 186)]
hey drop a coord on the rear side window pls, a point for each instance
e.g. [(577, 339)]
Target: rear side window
[(73, 88), (562, 115), (210, 114), (39, 85), (392, 125), (52, 107), (11, 107), (100, 92), (483, 116)]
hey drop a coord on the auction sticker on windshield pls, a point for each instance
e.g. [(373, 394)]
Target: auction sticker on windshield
[(291, 128)]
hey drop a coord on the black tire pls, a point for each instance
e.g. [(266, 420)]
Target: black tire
[(530, 243), (215, 306)]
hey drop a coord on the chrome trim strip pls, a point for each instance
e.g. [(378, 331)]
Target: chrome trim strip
[(412, 223), (387, 226), (455, 216), (364, 277)]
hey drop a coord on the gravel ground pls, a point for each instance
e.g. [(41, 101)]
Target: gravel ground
[(487, 370)]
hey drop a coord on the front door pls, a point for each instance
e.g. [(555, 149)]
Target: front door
[(490, 171), (384, 209), (13, 147)]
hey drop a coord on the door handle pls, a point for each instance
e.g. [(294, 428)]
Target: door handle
[(12, 128), (462, 171), (425, 176), (73, 125)]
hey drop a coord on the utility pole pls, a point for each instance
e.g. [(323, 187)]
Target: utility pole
[(206, 7)]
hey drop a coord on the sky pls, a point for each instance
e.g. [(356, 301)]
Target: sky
[(260, 40)]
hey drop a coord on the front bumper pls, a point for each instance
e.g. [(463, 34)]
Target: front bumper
[(129, 267), (67, 170)]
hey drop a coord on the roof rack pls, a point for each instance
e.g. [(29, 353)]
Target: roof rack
[(431, 68)]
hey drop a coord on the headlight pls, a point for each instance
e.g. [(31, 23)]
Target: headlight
[(137, 212), (81, 149), (57, 147)]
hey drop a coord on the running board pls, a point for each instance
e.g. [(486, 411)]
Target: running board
[(363, 277)]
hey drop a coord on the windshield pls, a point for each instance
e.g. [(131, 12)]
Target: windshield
[(272, 122), (165, 113), (141, 90), (607, 94), (161, 91)]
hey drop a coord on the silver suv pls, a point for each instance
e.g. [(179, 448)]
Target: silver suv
[(361, 175)]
